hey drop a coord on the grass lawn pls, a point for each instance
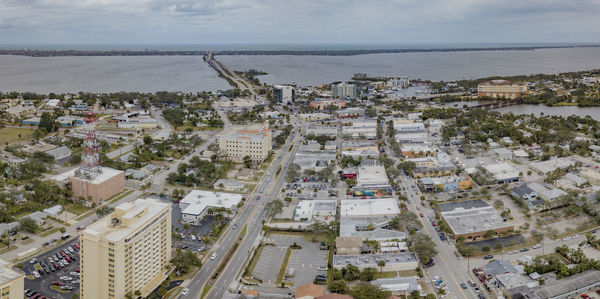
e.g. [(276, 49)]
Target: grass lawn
[(28, 241), (76, 209), (205, 290), (284, 265), (306, 235), (48, 232), (391, 274), (57, 288), (14, 134), (7, 249), (173, 291)]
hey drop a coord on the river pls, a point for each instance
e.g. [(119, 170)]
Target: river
[(313, 70), (107, 74)]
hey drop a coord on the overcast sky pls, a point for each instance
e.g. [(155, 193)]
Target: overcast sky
[(297, 21)]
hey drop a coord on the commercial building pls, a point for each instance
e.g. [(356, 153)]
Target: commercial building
[(564, 288), (12, 283), (284, 93), (344, 90), (126, 251), (502, 153), (360, 208), (402, 286), (95, 186), (446, 183), (413, 137), (416, 150), (501, 89), (393, 261), (199, 203), (372, 181), (348, 245), (403, 126), (322, 104), (502, 172), (59, 153), (353, 112), (314, 160), (329, 131), (524, 192), (360, 128), (548, 166), (313, 210), (254, 142), (138, 123), (69, 121), (472, 218)]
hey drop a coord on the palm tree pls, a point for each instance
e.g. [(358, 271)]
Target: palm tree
[(381, 264)]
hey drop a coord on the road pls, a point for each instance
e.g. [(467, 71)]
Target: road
[(252, 217)]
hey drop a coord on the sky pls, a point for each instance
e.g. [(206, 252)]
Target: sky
[(298, 21)]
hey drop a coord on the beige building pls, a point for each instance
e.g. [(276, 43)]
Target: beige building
[(12, 283), (255, 142), (501, 89), (126, 251), (348, 245), (97, 187)]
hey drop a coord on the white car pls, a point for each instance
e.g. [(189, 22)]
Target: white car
[(74, 273), (567, 239), (185, 291), (575, 236), (36, 274), (536, 246), (66, 278), (213, 256)]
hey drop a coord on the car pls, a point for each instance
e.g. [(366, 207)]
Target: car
[(36, 274), (57, 283), (586, 245), (76, 281), (442, 237), (524, 249), (322, 268), (585, 296), (476, 289), (463, 285), (201, 249), (53, 240), (185, 292), (433, 224), (575, 237), (61, 264), (480, 296), (73, 273), (184, 247), (45, 243), (68, 259), (66, 278), (513, 252), (234, 226), (76, 245), (213, 256), (536, 246), (28, 292), (421, 214), (565, 239), (430, 264), (66, 288), (80, 228), (70, 249), (488, 257), (76, 270), (598, 291), (471, 283), (33, 260), (56, 266)]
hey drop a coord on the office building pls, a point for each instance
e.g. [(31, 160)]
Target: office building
[(501, 89), (94, 186), (126, 251), (344, 90), (284, 93), (254, 142), (199, 203), (11, 282)]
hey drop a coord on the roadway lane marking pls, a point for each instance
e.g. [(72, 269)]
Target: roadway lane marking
[(454, 279)]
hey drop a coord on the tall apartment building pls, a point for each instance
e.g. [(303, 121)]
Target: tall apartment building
[(284, 93), (344, 90), (12, 283), (501, 89), (238, 143), (126, 251)]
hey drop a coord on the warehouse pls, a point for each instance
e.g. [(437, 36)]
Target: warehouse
[(473, 218)]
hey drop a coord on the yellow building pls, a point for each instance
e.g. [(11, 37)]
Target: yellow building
[(11, 283), (126, 251), (238, 143), (501, 89)]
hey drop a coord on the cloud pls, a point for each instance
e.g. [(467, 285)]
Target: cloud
[(299, 21)]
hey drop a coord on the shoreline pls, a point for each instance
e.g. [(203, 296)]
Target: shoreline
[(67, 53)]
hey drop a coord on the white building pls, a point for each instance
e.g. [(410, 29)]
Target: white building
[(312, 210), (198, 203), (284, 93), (238, 143), (344, 90), (353, 208)]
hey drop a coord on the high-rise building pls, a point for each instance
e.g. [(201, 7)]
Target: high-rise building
[(284, 93), (238, 143), (501, 89), (11, 282), (126, 251), (344, 90)]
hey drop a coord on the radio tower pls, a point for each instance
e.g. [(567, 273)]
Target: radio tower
[(90, 159)]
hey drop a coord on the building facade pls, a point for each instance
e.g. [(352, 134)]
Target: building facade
[(12, 283), (344, 90), (126, 251), (255, 143), (284, 93), (501, 89)]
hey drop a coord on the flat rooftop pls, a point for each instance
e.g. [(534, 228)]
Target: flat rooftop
[(7, 274), (133, 216), (107, 173), (369, 207), (471, 216), (198, 200), (372, 259)]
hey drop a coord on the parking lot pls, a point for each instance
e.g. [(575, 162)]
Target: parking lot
[(306, 261), (58, 267)]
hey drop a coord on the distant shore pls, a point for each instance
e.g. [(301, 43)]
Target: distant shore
[(347, 52)]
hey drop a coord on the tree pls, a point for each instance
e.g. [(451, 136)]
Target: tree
[(423, 246), (148, 140), (381, 264), (186, 226), (247, 161), (47, 122), (537, 235), (275, 206), (104, 210), (184, 260), (490, 234), (293, 172), (368, 274), (63, 230), (369, 291), (338, 286), (317, 228), (29, 225), (350, 273)]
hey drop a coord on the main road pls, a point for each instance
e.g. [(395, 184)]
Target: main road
[(251, 217)]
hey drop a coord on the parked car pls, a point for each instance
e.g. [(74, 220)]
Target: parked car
[(463, 285), (57, 283), (536, 246), (213, 256), (185, 292), (524, 249), (488, 257)]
